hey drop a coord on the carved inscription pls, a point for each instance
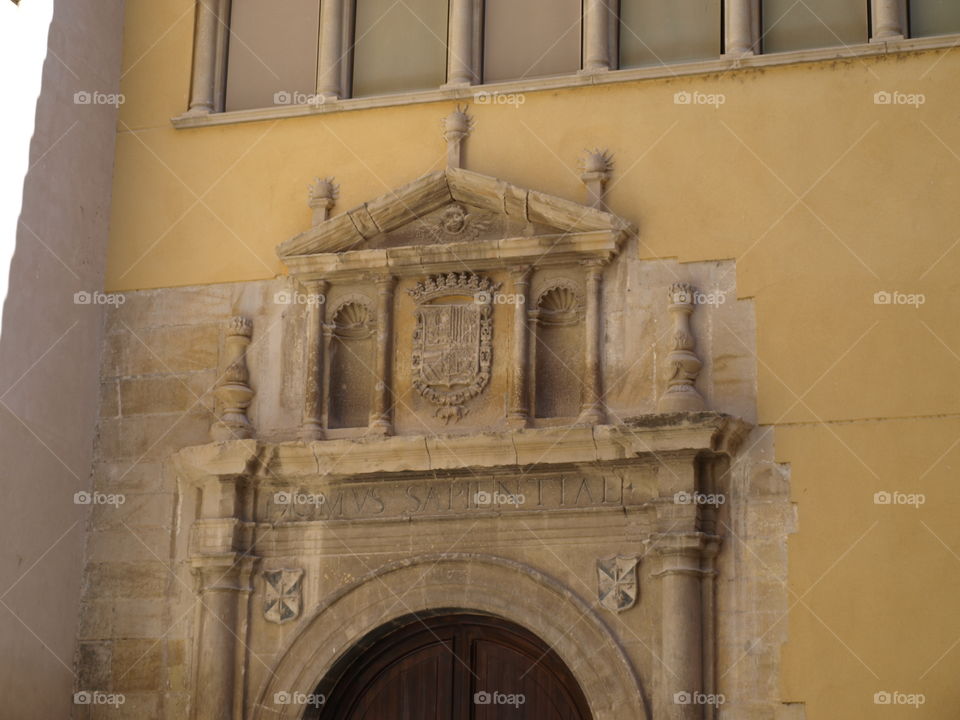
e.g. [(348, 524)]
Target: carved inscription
[(448, 497)]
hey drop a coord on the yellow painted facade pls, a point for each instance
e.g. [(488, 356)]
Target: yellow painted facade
[(821, 197)]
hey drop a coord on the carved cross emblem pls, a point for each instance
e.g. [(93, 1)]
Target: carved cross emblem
[(283, 595), (452, 340), (617, 585)]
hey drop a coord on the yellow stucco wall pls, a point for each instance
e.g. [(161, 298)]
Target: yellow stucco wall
[(822, 197)]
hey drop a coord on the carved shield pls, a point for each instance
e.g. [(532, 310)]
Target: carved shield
[(283, 595), (452, 340), (617, 585)]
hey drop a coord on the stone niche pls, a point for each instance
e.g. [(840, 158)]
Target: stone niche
[(456, 452)]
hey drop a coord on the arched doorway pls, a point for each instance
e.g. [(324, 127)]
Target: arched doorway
[(452, 667)]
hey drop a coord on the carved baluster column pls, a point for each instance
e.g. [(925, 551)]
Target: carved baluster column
[(888, 20), (381, 417), (591, 406), (233, 390), (597, 18), (742, 28), (460, 46), (519, 413), (312, 426), (331, 49), (209, 61), (683, 365)]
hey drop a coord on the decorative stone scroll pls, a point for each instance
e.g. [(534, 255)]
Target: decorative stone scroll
[(452, 341), (282, 595), (682, 363), (234, 391), (617, 586)]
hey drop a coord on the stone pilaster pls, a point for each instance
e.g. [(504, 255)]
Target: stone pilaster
[(311, 428), (381, 417), (591, 407), (518, 415)]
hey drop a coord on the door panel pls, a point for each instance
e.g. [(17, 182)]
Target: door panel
[(455, 667)]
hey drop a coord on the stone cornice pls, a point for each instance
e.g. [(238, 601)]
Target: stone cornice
[(582, 79), (655, 437)]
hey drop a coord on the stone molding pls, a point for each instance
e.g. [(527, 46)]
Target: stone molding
[(348, 232), (878, 46), (497, 586)]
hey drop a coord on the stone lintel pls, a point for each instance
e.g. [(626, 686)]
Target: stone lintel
[(544, 250)]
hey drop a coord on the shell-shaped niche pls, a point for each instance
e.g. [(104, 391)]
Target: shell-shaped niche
[(352, 319), (561, 305)]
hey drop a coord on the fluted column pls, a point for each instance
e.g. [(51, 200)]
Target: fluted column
[(596, 36), (311, 428), (591, 407), (742, 28), (460, 44), (519, 414), (208, 64), (381, 417), (888, 20), (331, 49)]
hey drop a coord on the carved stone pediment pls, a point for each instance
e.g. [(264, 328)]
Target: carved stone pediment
[(470, 214)]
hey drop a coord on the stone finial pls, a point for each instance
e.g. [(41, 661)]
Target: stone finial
[(323, 196), (596, 167), (456, 127), (233, 391), (682, 363)]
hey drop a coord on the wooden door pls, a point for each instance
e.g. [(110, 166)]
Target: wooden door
[(455, 667)]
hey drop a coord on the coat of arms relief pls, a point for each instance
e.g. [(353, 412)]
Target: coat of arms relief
[(452, 340)]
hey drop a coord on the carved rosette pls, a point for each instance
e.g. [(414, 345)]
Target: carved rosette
[(683, 365), (234, 391), (452, 340)]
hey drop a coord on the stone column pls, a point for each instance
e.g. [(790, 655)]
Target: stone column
[(741, 28), (220, 591), (460, 44), (681, 547), (221, 560), (331, 49), (381, 417), (591, 406), (596, 36), (518, 415), (889, 20), (682, 623), (208, 63), (311, 428)]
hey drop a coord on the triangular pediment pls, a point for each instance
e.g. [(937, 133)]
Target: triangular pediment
[(450, 206)]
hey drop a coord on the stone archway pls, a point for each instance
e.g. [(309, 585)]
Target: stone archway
[(464, 582)]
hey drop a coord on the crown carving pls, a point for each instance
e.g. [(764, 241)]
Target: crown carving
[(451, 284)]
